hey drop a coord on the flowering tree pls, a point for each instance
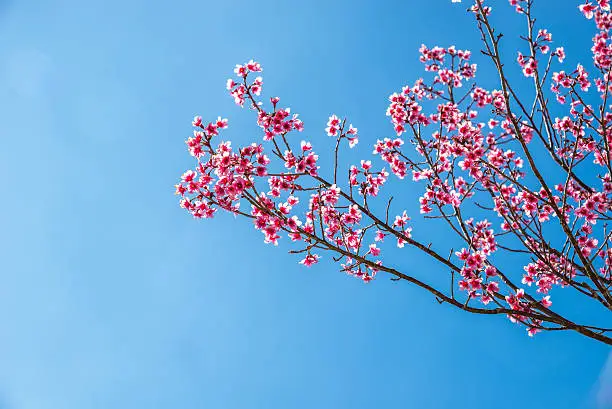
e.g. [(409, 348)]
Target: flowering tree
[(508, 173)]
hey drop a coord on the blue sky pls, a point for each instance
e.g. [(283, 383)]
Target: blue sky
[(112, 296)]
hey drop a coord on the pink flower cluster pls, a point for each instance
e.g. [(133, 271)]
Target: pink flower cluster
[(336, 128)]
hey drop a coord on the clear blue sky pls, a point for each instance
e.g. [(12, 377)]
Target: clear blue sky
[(111, 296)]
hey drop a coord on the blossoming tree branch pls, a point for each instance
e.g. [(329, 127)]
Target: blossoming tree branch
[(523, 169)]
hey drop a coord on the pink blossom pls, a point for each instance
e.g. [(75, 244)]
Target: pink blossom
[(310, 259), (587, 9)]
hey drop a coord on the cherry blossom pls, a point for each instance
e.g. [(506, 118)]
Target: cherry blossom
[(521, 182)]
